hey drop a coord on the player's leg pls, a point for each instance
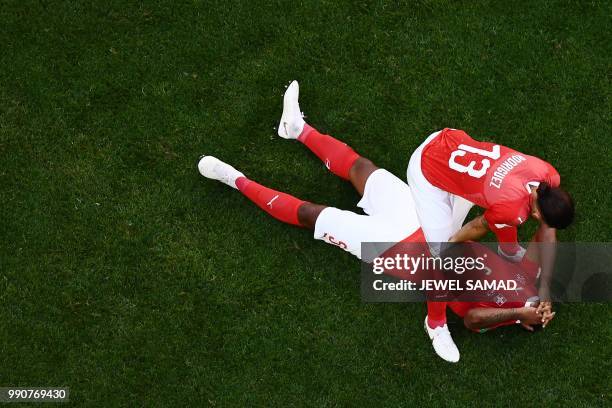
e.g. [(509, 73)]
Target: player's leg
[(308, 214), (282, 206), (344, 229), (435, 211), (391, 217), (433, 205), (338, 157), (461, 208), (360, 172)]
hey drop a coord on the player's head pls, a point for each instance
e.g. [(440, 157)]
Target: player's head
[(553, 206)]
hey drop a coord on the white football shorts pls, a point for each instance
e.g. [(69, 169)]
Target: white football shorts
[(440, 213), (391, 216)]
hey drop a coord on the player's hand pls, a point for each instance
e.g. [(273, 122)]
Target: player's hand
[(544, 307), (547, 317), (529, 317), (545, 311)]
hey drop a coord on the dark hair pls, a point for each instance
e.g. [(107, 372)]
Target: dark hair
[(556, 206)]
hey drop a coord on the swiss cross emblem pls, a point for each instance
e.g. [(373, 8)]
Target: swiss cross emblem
[(500, 300)]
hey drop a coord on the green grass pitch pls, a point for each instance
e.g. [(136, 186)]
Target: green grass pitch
[(127, 277)]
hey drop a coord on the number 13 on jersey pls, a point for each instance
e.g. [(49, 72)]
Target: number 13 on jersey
[(471, 169)]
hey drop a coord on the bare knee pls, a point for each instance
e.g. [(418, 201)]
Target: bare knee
[(360, 171), (362, 166), (308, 214)]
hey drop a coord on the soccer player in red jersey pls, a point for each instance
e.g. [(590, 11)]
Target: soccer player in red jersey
[(450, 172), (506, 307), (386, 200)]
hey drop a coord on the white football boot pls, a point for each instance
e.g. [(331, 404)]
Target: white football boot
[(291, 123), (443, 343), (215, 169)]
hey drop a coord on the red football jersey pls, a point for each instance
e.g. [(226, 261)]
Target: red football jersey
[(527, 269), (491, 176), (524, 273)]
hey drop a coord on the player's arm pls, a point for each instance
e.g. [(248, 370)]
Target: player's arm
[(485, 317), (547, 250), (472, 231)]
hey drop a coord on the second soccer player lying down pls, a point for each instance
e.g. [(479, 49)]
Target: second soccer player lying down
[(390, 209)]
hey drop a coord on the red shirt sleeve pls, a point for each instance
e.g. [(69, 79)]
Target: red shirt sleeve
[(552, 177)]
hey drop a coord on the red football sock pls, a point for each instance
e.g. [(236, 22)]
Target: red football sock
[(337, 156), (283, 207), (436, 314)]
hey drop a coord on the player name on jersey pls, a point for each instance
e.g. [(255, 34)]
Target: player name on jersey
[(492, 176), (505, 168)]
